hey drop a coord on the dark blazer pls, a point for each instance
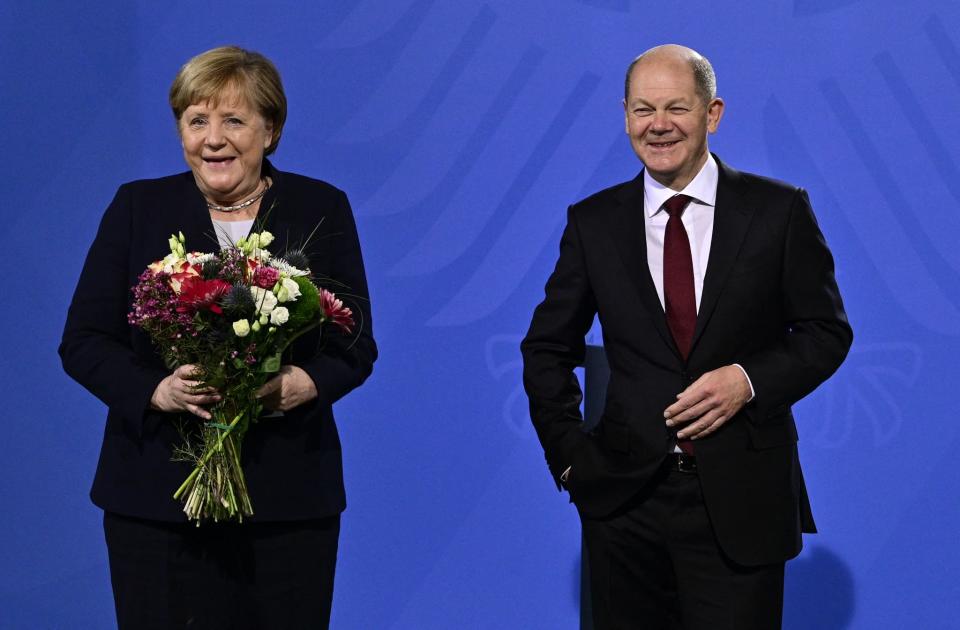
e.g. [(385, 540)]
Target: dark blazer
[(770, 303), (292, 464)]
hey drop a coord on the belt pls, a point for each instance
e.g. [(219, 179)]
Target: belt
[(681, 462)]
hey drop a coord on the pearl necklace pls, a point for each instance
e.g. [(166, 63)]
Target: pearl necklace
[(240, 206)]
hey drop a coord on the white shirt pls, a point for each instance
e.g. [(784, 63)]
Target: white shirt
[(697, 221), (229, 232)]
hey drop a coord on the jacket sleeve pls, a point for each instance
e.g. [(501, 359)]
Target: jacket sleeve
[(816, 334), (553, 347), (96, 348), (344, 361)]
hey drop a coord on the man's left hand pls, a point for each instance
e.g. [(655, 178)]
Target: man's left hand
[(709, 402), (290, 388)]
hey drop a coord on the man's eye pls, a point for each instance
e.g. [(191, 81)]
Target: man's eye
[(678, 110), (643, 111)]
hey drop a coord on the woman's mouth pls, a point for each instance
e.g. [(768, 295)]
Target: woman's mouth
[(218, 162)]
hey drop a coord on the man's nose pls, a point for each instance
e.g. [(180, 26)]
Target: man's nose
[(661, 121)]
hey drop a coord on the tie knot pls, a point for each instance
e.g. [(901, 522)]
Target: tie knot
[(676, 204)]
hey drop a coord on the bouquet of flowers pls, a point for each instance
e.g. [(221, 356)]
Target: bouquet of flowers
[(232, 314)]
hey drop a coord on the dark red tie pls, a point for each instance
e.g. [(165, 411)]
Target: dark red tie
[(679, 297)]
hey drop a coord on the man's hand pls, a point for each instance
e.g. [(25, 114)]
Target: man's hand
[(290, 388), (709, 402), (180, 391)]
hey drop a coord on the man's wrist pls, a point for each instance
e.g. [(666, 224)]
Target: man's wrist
[(753, 394)]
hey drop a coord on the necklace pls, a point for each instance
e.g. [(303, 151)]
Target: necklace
[(242, 205)]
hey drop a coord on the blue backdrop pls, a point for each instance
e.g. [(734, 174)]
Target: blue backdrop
[(461, 131)]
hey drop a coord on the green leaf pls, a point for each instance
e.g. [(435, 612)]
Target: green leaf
[(271, 364)]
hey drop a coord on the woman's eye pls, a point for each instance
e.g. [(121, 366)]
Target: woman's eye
[(234, 121), (196, 122)]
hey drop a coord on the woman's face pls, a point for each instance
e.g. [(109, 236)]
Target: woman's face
[(224, 146)]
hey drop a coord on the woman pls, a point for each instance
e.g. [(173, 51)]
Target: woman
[(274, 570)]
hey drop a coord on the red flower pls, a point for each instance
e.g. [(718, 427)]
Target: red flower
[(197, 293), (334, 310), (265, 277)]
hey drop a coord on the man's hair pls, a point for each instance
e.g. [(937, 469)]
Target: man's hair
[(705, 80), (210, 75)]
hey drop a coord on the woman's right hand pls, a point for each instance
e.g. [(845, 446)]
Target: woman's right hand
[(180, 391)]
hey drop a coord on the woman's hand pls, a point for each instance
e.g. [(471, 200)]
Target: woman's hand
[(182, 392), (290, 388)]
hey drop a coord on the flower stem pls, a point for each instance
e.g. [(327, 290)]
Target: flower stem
[(206, 457)]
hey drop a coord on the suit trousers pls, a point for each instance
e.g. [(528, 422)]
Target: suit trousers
[(222, 576), (655, 565)]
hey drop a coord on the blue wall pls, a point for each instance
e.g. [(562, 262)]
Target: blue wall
[(461, 130)]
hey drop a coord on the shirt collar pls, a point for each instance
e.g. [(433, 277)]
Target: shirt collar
[(703, 188)]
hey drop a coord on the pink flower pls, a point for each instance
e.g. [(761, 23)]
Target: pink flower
[(181, 271), (197, 293), (265, 277), (334, 310)]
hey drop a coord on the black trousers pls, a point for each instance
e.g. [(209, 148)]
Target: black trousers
[(222, 576), (655, 565)]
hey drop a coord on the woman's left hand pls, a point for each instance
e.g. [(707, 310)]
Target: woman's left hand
[(290, 388)]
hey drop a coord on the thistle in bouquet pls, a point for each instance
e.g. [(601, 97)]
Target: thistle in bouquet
[(231, 314)]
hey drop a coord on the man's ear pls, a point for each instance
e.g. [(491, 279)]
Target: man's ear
[(714, 114)]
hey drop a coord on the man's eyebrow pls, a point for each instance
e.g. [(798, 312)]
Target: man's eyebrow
[(680, 100)]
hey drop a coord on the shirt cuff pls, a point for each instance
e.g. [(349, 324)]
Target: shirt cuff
[(566, 473), (753, 394)]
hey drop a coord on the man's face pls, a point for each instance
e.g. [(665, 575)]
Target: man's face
[(667, 121)]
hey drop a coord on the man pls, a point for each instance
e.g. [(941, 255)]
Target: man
[(719, 308)]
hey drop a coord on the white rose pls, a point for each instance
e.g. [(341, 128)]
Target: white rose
[(265, 300), (289, 290), (265, 239), (279, 316), (241, 328)]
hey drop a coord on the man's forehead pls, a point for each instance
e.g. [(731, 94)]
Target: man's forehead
[(660, 84)]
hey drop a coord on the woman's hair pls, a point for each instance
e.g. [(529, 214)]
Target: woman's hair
[(209, 75)]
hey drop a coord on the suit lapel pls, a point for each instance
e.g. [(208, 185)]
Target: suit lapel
[(629, 234), (271, 216), (730, 222)]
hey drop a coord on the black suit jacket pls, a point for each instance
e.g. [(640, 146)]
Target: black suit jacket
[(292, 464), (770, 303)]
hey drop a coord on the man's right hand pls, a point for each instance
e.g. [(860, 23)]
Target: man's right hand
[(180, 391)]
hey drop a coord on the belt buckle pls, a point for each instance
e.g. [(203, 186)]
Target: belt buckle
[(686, 463)]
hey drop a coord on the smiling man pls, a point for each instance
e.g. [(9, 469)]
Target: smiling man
[(716, 294)]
